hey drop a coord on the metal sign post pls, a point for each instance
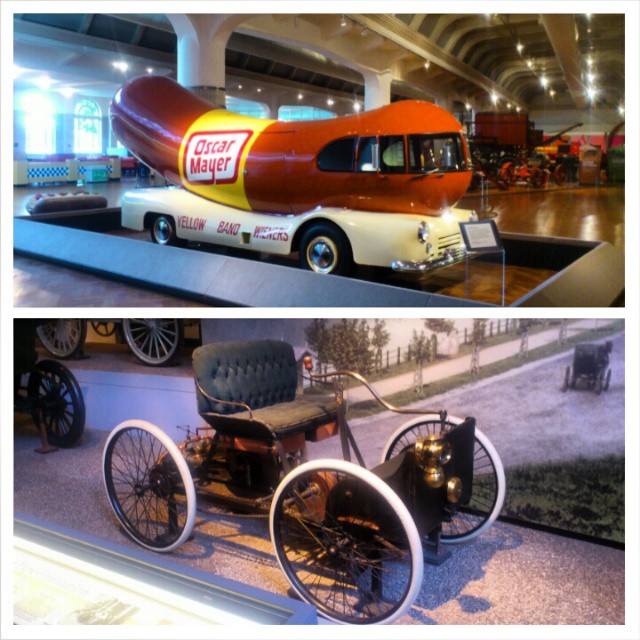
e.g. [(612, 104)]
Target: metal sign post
[(482, 236)]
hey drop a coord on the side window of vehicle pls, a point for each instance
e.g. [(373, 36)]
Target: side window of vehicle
[(338, 155), (392, 154), (367, 151)]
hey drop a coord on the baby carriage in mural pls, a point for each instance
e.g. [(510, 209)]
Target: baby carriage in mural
[(590, 367), (348, 539)]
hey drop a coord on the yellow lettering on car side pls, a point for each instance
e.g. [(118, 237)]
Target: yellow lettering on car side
[(213, 155)]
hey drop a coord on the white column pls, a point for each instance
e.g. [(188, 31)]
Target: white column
[(377, 89), (202, 40)]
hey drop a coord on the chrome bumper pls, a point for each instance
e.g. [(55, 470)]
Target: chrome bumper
[(452, 256)]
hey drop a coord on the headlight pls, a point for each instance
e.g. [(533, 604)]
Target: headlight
[(432, 453), (423, 232)]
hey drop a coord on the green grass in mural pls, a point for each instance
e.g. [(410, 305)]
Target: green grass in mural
[(584, 495)]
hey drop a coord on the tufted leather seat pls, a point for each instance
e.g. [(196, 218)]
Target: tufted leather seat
[(263, 375)]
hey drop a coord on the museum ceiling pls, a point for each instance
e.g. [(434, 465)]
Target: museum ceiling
[(523, 60)]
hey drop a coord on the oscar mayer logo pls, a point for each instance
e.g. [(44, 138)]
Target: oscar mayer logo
[(212, 157)]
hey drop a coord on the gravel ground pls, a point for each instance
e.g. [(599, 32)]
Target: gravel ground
[(510, 575)]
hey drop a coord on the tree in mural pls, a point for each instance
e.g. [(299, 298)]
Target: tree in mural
[(438, 326), (524, 326), (379, 340), (420, 349), (349, 346), (317, 334), (478, 338)]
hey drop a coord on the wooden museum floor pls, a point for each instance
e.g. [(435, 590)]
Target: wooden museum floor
[(585, 213)]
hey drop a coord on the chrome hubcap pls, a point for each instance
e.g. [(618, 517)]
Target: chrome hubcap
[(322, 255), (162, 230)]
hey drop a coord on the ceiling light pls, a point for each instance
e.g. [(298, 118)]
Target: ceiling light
[(67, 92), (591, 77), (427, 64), (519, 47), (592, 92), (589, 61), (494, 98), (43, 82), (467, 107), (259, 89), (518, 109), (149, 69), (343, 21), (330, 102), (357, 106), (621, 109), (364, 32), (300, 96), (587, 16), (240, 87), (544, 81), (121, 66), (552, 92), (529, 63)]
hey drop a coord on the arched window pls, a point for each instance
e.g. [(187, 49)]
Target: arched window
[(39, 124), (246, 107), (87, 127)]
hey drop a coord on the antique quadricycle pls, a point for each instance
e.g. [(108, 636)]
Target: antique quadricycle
[(590, 366), (349, 540)]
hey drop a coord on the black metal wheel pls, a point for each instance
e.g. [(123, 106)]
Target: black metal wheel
[(154, 341), (149, 485), (325, 249), (560, 174), (63, 338), (163, 230), (489, 483), (567, 377), (104, 329), (56, 402), (346, 542), (598, 383), (537, 177), (607, 380)]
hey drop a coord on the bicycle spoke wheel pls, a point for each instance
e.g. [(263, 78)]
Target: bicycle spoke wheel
[(346, 542), (57, 403), (149, 485), (155, 342), (488, 477)]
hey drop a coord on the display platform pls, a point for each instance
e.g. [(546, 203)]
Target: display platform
[(570, 273), (65, 576)]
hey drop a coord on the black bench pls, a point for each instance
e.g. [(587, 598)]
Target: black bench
[(247, 390)]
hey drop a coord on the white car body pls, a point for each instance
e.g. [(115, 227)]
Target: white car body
[(377, 239)]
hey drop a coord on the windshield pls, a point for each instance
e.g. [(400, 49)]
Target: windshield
[(435, 153)]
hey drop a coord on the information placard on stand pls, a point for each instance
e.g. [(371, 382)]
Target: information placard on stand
[(482, 236)]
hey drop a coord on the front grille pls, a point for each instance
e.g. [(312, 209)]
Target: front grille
[(448, 242)]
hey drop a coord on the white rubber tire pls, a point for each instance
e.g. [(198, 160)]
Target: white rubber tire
[(392, 499), (183, 469)]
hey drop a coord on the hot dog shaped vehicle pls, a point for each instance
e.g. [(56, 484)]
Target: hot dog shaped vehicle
[(375, 188)]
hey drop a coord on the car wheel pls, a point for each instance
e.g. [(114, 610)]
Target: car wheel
[(163, 231), (325, 249)]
